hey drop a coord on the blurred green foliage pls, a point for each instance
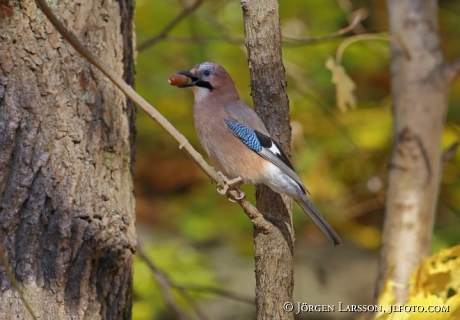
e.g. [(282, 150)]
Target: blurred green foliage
[(342, 157)]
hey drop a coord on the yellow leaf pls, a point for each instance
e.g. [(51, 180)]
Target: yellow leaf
[(344, 85), (454, 307), (437, 274), (435, 289)]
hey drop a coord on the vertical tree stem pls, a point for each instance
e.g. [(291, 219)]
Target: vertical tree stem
[(273, 249), (420, 95)]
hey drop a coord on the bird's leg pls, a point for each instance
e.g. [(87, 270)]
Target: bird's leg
[(236, 182)]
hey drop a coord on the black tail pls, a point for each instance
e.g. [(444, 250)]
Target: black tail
[(317, 217)]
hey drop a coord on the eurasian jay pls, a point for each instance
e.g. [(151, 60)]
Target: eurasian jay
[(238, 143)]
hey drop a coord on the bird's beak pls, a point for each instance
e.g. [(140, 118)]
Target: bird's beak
[(193, 79)]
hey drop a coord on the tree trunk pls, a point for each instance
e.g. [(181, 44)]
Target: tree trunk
[(274, 250), (420, 96), (66, 150)]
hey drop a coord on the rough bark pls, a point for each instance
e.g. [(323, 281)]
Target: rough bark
[(420, 96), (66, 132), (274, 248)]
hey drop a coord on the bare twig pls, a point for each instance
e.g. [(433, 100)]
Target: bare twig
[(296, 73), (174, 22), (449, 153), (217, 291), (203, 39), (452, 70), (364, 207), (163, 281), (449, 9), (333, 119), (184, 289), (347, 7), (289, 41), (256, 217), (373, 36), (335, 34), (356, 38), (194, 305), (405, 49), (15, 283), (166, 284)]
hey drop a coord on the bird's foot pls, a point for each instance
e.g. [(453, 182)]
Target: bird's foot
[(228, 183), (235, 183)]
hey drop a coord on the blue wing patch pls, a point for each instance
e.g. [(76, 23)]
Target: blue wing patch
[(265, 147), (246, 135)]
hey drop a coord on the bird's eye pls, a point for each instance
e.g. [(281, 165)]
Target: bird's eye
[(206, 73)]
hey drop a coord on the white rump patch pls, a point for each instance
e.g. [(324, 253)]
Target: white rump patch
[(280, 182)]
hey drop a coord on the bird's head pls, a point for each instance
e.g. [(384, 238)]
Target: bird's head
[(207, 77)]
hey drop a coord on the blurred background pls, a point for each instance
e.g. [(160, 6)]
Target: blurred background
[(202, 243)]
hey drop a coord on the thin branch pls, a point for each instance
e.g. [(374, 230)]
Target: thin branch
[(256, 217), (174, 22), (347, 8), (397, 39), (363, 208), (217, 291), (184, 289), (371, 36), (449, 153), (449, 9), (163, 281), (166, 284), (297, 74), (15, 283), (350, 27), (203, 39), (164, 34), (452, 70), (358, 37), (194, 305)]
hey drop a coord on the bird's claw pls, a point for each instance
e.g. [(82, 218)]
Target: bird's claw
[(236, 182), (240, 195), (222, 191)]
